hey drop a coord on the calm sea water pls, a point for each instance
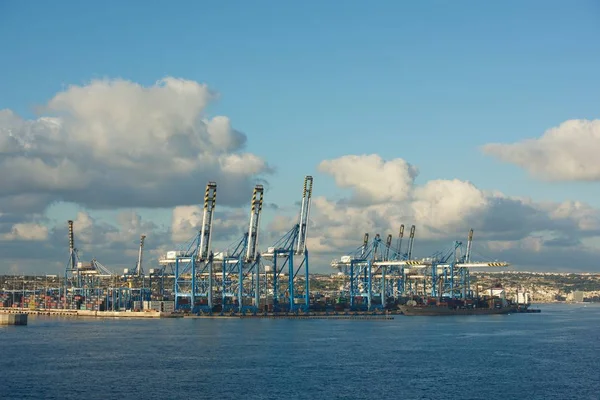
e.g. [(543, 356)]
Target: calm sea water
[(551, 355)]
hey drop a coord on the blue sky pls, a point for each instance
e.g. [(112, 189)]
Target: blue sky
[(429, 81)]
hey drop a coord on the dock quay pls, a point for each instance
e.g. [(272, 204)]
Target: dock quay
[(90, 313), (293, 316), (312, 315), (13, 319), (158, 314)]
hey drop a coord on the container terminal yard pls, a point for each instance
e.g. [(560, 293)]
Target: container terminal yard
[(378, 276)]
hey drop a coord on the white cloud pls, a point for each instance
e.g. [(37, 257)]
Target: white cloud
[(229, 225), (441, 205), (443, 211), (27, 231), (585, 217), (371, 178), (115, 143), (186, 222), (568, 152)]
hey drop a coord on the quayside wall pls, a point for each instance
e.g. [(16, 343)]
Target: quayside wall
[(89, 313)]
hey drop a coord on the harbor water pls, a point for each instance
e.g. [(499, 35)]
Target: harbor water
[(551, 355)]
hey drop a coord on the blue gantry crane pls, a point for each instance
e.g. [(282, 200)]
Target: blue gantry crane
[(378, 271), (82, 280), (450, 270), (136, 279), (241, 269), (204, 278), (284, 253), (194, 275)]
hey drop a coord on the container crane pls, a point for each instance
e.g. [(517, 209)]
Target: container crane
[(292, 244), (138, 293), (456, 265), (244, 262), (81, 279), (376, 267), (194, 275)]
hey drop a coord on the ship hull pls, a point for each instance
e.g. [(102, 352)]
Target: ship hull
[(439, 311)]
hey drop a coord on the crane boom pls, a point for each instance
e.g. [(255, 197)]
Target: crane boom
[(365, 244), (388, 244), (140, 271), (400, 236), (210, 198), (255, 213), (304, 214), (411, 240), (469, 244), (71, 246)]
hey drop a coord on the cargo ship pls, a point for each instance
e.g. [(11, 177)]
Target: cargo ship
[(495, 303), (436, 310)]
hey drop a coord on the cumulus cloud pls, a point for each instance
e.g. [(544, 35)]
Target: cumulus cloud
[(443, 211), (41, 249), (228, 225), (97, 238), (371, 178), (115, 143), (185, 222), (26, 231), (568, 152)]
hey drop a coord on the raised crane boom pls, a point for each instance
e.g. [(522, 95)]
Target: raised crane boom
[(210, 198), (255, 212), (388, 244), (400, 236), (140, 271), (411, 240), (365, 245), (304, 214), (72, 251), (469, 244)]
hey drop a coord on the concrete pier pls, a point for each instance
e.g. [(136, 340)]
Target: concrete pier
[(90, 313), (13, 319)]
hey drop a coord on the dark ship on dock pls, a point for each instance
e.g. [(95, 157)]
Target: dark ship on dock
[(494, 303), (457, 307)]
